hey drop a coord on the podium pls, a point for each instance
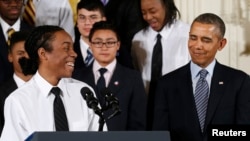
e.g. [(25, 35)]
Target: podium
[(101, 136)]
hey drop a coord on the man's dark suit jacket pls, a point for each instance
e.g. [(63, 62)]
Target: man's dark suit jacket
[(5, 90), (175, 110), (126, 84), (6, 70), (79, 63)]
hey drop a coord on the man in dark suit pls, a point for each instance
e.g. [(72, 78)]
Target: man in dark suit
[(225, 90), (16, 51), (124, 83), (10, 12)]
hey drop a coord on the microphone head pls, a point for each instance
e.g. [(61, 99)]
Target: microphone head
[(106, 92), (85, 91)]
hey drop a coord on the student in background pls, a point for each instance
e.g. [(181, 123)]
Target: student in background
[(16, 51), (124, 83), (88, 12), (160, 47), (10, 13)]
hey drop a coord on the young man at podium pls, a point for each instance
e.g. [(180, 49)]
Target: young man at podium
[(50, 100)]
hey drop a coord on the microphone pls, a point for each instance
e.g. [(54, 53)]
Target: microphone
[(91, 101), (111, 101)]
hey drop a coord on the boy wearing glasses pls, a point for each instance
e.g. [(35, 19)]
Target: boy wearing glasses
[(124, 83), (10, 11), (88, 12)]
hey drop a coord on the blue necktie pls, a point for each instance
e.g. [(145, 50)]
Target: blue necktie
[(61, 122), (89, 59), (201, 97)]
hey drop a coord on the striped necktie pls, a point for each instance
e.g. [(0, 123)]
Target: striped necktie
[(9, 33), (201, 97), (29, 13), (89, 59), (61, 122), (104, 2)]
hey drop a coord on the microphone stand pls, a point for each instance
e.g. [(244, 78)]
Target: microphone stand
[(102, 119), (99, 112), (101, 123)]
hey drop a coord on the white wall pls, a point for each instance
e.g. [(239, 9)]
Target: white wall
[(236, 15)]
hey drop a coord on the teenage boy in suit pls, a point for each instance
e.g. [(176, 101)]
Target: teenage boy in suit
[(10, 13), (16, 51), (125, 84), (88, 13)]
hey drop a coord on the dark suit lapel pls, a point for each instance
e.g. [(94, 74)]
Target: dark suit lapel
[(79, 63), (116, 79), (194, 123), (218, 84), (89, 78), (3, 45), (11, 86)]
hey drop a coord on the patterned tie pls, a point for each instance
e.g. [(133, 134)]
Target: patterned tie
[(9, 33), (104, 2), (29, 13), (101, 84), (201, 97), (61, 122), (89, 59)]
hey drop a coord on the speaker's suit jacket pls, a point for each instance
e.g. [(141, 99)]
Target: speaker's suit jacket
[(175, 110), (126, 84), (5, 90), (6, 70)]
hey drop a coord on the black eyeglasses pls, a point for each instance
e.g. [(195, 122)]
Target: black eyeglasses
[(108, 44), (9, 1)]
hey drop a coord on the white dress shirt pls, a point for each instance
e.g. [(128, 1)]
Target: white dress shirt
[(83, 47), (55, 12), (30, 109), (174, 49), (18, 80), (107, 75), (6, 27)]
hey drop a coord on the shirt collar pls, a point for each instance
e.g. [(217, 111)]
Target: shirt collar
[(45, 87), (18, 80), (6, 26), (83, 44), (195, 69), (110, 67), (165, 32)]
